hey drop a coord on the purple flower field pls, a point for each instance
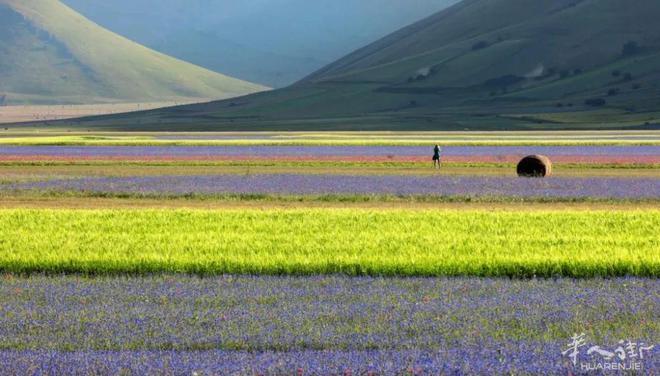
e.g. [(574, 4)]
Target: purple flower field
[(318, 325), (516, 358), (295, 184), (467, 360), (321, 151)]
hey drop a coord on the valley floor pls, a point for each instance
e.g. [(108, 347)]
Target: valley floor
[(294, 253)]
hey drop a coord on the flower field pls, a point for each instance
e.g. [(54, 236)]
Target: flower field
[(314, 325), (641, 155), (318, 184), (316, 254)]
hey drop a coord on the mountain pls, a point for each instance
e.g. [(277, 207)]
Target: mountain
[(51, 54), (273, 42), (480, 64)]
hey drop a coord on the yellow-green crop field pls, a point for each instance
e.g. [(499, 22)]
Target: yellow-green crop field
[(44, 137), (332, 241)]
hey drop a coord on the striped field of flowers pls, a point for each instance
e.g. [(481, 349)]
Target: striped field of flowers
[(301, 278)]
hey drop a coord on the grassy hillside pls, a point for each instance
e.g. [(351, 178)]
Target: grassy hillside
[(51, 54), (489, 38), (480, 64)]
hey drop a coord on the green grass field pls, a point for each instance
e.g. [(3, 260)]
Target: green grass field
[(332, 241)]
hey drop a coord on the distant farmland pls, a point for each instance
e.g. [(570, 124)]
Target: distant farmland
[(17, 114)]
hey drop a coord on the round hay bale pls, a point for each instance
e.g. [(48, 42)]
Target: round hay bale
[(535, 166)]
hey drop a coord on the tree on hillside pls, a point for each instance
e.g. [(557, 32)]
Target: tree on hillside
[(613, 92), (595, 102), (479, 45), (630, 48)]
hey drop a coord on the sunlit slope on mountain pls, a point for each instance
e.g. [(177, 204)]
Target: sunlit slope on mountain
[(51, 54), (481, 64)]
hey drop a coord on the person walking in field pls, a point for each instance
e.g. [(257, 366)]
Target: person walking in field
[(436, 156)]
